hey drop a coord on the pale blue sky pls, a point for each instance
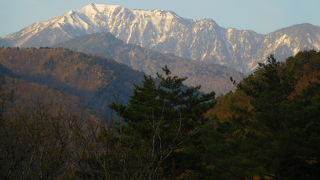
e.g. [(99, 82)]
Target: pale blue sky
[(263, 16)]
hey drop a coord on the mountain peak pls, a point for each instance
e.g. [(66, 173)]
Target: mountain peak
[(93, 8), (101, 6), (299, 30), (207, 21), (304, 25), (70, 12), (106, 7), (167, 32), (156, 12)]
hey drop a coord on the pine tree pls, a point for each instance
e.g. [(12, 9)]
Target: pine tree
[(165, 114)]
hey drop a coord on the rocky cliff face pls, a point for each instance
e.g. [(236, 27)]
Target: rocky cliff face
[(165, 31)]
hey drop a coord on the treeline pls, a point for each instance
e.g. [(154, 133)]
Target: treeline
[(269, 128)]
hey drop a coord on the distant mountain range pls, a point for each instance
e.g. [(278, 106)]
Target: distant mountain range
[(166, 32), (210, 76)]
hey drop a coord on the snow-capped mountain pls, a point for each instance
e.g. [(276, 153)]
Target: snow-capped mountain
[(165, 31)]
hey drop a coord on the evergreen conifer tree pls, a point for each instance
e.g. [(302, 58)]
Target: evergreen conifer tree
[(165, 114)]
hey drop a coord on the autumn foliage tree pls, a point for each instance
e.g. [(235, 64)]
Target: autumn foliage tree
[(275, 137)]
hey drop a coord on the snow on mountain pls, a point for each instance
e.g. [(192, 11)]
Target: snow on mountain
[(211, 77), (165, 31)]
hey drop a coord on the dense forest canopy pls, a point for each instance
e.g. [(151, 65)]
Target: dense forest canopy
[(268, 128)]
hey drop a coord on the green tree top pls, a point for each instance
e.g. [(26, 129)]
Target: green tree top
[(165, 115), (167, 102)]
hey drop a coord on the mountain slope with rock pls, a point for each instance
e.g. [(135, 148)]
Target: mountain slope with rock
[(166, 32), (211, 77)]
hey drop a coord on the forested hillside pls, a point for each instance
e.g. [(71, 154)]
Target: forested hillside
[(270, 125), (96, 81), (267, 129)]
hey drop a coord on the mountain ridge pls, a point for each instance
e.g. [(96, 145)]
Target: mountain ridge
[(211, 77), (166, 32)]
